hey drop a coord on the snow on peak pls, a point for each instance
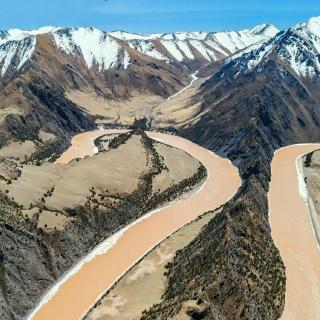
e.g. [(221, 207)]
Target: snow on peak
[(310, 31), (182, 46), (17, 46), (182, 36), (314, 25), (96, 47), (104, 49), (233, 41), (265, 29), (296, 47), (18, 34), (23, 33), (127, 36), (19, 51), (43, 30)]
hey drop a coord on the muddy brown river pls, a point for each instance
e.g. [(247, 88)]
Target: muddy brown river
[(72, 296), (294, 237)]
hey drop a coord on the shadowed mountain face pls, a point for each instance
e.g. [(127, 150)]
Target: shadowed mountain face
[(33, 94), (260, 100), (273, 87)]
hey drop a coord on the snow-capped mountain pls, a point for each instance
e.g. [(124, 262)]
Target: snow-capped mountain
[(96, 47), (86, 60), (297, 48), (112, 50), (208, 46), (15, 53), (18, 34), (270, 88)]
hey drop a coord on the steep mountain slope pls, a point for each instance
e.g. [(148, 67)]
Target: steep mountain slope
[(40, 68), (260, 100), (37, 65)]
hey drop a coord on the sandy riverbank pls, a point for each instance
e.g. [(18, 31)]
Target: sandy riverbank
[(294, 237), (79, 292), (144, 285), (310, 177), (82, 145)]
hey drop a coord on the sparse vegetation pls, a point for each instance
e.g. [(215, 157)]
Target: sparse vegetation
[(308, 159), (103, 213), (48, 151)]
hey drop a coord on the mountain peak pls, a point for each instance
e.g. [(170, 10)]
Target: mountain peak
[(265, 29), (314, 25), (16, 34), (127, 36), (298, 48)]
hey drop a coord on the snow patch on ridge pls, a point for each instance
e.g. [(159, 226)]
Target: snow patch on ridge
[(96, 46), (172, 48), (265, 30), (147, 47), (203, 50), (18, 52), (185, 48), (126, 60)]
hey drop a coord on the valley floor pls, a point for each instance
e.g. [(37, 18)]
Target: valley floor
[(177, 110)]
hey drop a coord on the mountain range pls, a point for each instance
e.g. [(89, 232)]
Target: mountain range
[(259, 90), (106, 51)]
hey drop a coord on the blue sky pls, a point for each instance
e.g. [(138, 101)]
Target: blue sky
[(147, 16)]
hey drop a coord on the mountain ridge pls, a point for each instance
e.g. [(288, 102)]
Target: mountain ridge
[(168, 47), (254, 103), (247, 114)]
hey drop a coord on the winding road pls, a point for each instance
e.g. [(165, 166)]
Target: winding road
[(82, 285), (194, 78)]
